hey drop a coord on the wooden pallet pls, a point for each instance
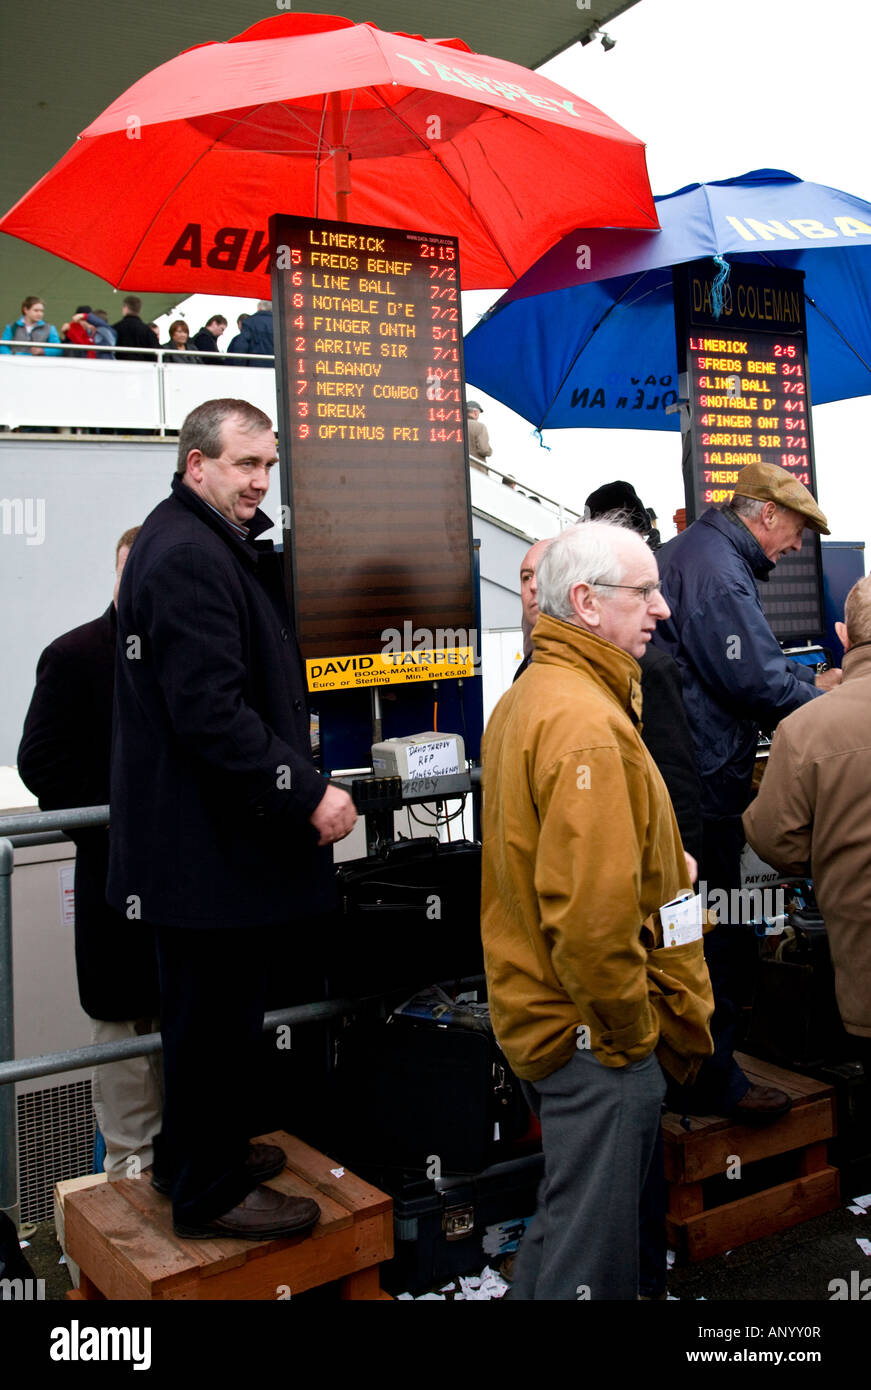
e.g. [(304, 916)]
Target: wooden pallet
[(805, 1185), (120, 1235)]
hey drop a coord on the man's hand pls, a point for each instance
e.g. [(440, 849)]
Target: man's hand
[(827, 680), (334, 816), (692, 867)]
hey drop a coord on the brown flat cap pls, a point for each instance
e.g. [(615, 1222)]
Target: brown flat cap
[(769, 483)]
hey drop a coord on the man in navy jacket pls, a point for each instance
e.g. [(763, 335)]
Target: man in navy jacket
[(220, 820), (735, 678), (257, 335)]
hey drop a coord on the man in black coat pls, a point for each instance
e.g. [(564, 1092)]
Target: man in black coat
[(131, 332), (257, 335), (220, 820), (64, 760), (206, 340)]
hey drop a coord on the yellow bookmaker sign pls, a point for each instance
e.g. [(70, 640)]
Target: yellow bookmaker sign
[(389, 668)]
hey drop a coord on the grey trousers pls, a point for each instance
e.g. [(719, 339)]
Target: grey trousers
[(599, 1127)]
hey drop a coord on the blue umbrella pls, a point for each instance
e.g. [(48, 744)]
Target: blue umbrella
[(586, 337)]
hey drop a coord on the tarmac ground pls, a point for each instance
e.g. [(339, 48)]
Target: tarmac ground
[(795, 1265)]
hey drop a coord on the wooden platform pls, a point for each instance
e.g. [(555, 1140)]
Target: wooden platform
[(120, 1235), (781, 1177)]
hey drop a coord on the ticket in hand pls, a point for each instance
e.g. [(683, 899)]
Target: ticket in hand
[(681, 920)]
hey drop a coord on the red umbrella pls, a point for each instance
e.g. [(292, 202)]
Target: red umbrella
[(172, 186)]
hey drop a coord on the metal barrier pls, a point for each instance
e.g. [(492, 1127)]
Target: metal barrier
[(66, 391), (20, 829), (79, 350), (77, 395)]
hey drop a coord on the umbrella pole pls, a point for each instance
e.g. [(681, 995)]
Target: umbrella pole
[(341, 158)]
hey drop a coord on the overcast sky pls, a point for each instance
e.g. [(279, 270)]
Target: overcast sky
[(715, 88)]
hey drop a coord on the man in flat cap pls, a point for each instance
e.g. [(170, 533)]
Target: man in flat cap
[(735, 678), (480, 447)]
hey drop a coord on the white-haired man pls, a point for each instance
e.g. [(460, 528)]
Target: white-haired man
[(581, 848)]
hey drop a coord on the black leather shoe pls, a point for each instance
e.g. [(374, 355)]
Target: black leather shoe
[(761, 1105), (264, 1161), (263, 1215)]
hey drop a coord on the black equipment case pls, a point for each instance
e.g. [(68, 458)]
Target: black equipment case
[(850, 1150), (451, 1226), (428, 1091), (429, 1111), (407, 916), (795, 1019)]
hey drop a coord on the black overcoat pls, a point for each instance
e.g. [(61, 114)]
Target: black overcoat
[(213, 780), (64, 760), (666, 732)]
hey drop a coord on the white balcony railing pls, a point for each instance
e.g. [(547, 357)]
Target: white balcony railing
[(117, 396), (75, 392)]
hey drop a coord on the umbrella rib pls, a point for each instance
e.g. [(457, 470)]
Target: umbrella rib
[(473, 209), (844, 339), (583, 347), (318, 156), (135, 251), (829, 321)]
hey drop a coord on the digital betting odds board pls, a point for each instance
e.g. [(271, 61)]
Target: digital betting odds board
[(746, 377), (373, 453)]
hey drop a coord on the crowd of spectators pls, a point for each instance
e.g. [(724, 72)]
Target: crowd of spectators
[(88, 334)]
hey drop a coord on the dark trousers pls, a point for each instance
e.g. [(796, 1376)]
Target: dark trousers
[(653, 1241), (730, 952), (212, 990), (599, 1128)]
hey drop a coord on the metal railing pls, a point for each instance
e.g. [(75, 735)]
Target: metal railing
[(566, 515), (19, 348), (43, 827), (79, 387), (163, 413)]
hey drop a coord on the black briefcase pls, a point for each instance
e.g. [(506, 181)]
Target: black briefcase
[(406, 917), (427, 1092)]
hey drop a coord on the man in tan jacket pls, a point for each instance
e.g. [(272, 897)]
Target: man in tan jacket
[(814, 808), (581, 848), (480, 447)]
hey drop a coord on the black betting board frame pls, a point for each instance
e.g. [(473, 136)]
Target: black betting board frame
[(373, 451), (745, 374)]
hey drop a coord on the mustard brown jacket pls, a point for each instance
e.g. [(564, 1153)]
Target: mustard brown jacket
[(581, 849), (814, 808)]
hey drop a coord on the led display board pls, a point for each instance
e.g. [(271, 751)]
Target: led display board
[(373, 452), (745, 375)]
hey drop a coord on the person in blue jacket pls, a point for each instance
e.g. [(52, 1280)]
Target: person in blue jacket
[(31, 333), (735, 679)]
